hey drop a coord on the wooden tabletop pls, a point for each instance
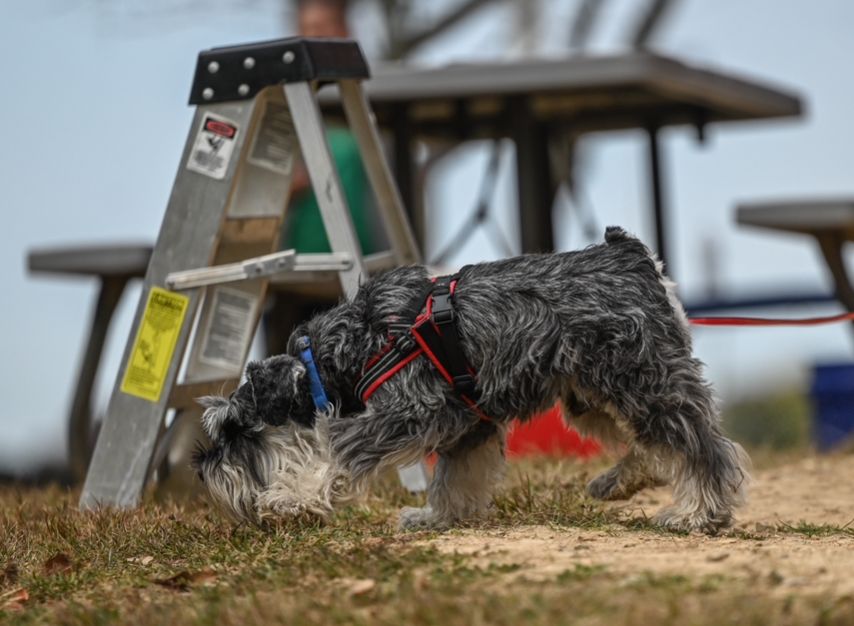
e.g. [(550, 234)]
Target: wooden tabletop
[(593, 93), (809, 216), (113, 259)]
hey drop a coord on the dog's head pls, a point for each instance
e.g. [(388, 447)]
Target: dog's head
[(274, 393), (240, 463)]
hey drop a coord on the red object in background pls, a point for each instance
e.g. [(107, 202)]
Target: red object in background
[(547, 434)]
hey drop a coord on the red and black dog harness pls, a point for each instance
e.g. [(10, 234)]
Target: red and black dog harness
[(426, 327)]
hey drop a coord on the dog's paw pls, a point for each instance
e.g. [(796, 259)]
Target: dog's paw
[(413, 518), (616, 485), (694, 521), (606, 486)]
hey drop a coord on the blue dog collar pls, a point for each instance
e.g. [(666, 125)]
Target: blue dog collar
[(318, 393)]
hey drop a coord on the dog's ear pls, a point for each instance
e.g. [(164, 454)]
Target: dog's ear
[(275, 384), (211, 402), (218, 413)]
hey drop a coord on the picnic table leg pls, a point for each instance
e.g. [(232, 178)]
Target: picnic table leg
[(658, 204), (404, 171), (831, 248), (172, 454), (536, 186), (80, 439)]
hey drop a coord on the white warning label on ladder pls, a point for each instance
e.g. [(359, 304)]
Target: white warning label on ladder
[(275, 142), (229, 328), (213, 147)]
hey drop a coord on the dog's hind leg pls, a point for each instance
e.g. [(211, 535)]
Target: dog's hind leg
[(592, 421), (633, 472), (463, 482), (708, 485), (708, 471)]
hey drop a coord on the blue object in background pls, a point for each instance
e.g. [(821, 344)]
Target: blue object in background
[(832, 396)]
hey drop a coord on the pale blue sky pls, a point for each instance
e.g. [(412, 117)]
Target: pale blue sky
[(95, 116)]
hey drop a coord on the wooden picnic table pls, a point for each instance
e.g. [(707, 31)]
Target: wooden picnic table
[(829, 221), (539, 102)]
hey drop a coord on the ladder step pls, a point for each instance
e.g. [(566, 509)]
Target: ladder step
[(258, 267), (373, 263)]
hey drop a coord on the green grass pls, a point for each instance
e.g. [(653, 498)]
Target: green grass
[(817, 530), (184, 564), (777, 421)]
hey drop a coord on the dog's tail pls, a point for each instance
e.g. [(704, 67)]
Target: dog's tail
[(616, 234)]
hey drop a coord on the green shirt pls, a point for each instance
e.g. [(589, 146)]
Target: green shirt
[(303, 229)]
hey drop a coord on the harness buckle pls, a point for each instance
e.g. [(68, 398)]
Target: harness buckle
[(404, 344), (443, 310), (464, 384)]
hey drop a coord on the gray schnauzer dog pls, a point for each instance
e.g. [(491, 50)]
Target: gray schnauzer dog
[(599, 330)]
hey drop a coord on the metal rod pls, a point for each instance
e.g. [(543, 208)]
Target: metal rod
[(658, 205), (830, 244), (80, 423)]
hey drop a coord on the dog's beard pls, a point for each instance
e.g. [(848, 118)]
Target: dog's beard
[(305, 478), (266, 472)]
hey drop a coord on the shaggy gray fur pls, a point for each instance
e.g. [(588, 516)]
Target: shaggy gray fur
[(598, 329)]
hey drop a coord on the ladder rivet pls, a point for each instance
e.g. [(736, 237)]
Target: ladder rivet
[(288, 57), (208, 93), (243, 89), (248, 63), (213, 67)]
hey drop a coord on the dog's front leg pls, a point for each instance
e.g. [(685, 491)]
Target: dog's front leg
[(463, 482)]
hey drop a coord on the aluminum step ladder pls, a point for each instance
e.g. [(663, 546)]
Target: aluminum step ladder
[(217, 248)]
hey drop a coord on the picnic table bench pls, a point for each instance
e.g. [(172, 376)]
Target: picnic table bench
[(829, 221), (115, 266)]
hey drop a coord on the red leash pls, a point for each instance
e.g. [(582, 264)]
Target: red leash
[(767, 321)]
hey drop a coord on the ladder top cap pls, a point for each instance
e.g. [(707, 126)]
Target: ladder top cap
[(239, 72)]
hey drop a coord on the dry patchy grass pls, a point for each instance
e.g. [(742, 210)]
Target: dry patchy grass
[(170, 563)]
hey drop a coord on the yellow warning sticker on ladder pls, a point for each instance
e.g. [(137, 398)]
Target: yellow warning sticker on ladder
[(155, 342)]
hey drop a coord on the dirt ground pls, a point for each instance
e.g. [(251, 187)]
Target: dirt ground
[(793, 537), (788, 561)]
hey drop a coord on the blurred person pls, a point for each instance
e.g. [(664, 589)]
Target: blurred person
[(303, 228), (322, 18)]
